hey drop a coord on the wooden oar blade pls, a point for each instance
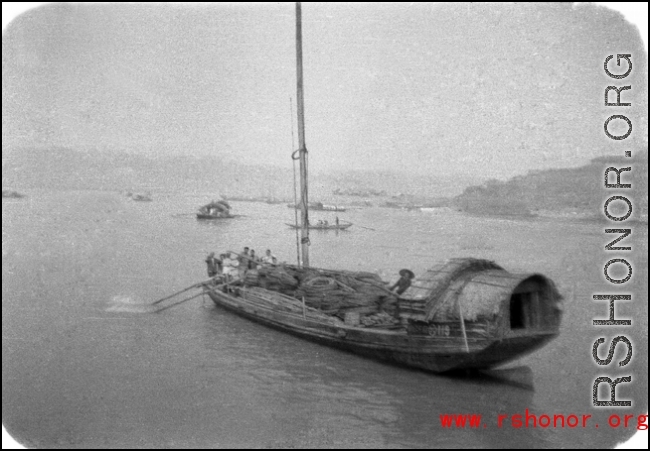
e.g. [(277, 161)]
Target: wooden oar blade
[(165, 307), (129, 304), (196, 285)]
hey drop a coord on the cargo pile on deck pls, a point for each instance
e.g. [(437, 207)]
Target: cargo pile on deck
[(334, 292)]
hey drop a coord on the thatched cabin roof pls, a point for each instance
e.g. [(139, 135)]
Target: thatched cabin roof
[(220, 205), (484, 294), (474, 288), (437, 280)]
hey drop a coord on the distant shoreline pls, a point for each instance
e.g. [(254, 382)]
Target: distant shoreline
[(542, 215), (562, 193)]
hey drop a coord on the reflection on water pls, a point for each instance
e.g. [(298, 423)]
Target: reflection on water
[(81, 370), (340, 398)]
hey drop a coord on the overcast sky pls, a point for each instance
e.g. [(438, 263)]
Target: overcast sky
[(490, 90)]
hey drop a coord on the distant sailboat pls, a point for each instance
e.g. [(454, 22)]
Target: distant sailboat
[(462, 314)]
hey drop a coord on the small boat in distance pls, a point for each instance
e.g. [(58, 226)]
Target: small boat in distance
[(215, 210), (342, 225), (319, 206), (10, 194), (139, 197)]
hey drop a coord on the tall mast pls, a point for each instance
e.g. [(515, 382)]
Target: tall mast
[(302, 149)]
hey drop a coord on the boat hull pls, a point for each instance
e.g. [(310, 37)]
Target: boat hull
[(435, 354), (211, 217), (328, 227), (12, 195), (320, 208)]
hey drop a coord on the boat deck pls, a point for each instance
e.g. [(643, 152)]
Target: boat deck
[(340, 226)]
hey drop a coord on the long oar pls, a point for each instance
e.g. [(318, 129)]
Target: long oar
[(179, 302), (368, 228), (196, 285), (192, 297)]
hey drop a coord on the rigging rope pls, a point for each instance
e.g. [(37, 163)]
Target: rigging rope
[(307, 215), (295, 199)]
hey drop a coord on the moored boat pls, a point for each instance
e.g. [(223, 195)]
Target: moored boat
[(319, 206), (462, 314), (141, 198), (218, 215), (10, 194), (343, 225), (215, 210)]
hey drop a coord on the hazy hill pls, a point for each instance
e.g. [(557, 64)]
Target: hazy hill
[(568, 191), (63, 168)]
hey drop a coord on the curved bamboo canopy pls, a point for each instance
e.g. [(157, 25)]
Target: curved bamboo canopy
[(220, 205), (473, 288)]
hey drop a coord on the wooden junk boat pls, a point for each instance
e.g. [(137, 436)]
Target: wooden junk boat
[(462, 314), (215, 210)]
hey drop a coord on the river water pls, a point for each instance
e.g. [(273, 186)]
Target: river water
[(82, 368)]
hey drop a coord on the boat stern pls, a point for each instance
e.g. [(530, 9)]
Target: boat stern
[(483, 314)]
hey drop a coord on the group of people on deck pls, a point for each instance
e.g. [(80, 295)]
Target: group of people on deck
[(325, 223), (248, 260), (233, 265)]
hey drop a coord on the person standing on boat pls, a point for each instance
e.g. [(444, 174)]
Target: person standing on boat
[(337, 221), (388, 304), (229, 267), (243, 262), (268, 258), (252, 263), (212, 265), (220, 261), (404, 282)]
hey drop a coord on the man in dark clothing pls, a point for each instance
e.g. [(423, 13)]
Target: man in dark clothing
[(389, 304), (212, 265), (243, 258), (252, 263), (219, 262), (404, 281), (243, 262)]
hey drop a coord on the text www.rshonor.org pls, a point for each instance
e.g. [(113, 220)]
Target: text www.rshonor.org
[(530, 420)]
